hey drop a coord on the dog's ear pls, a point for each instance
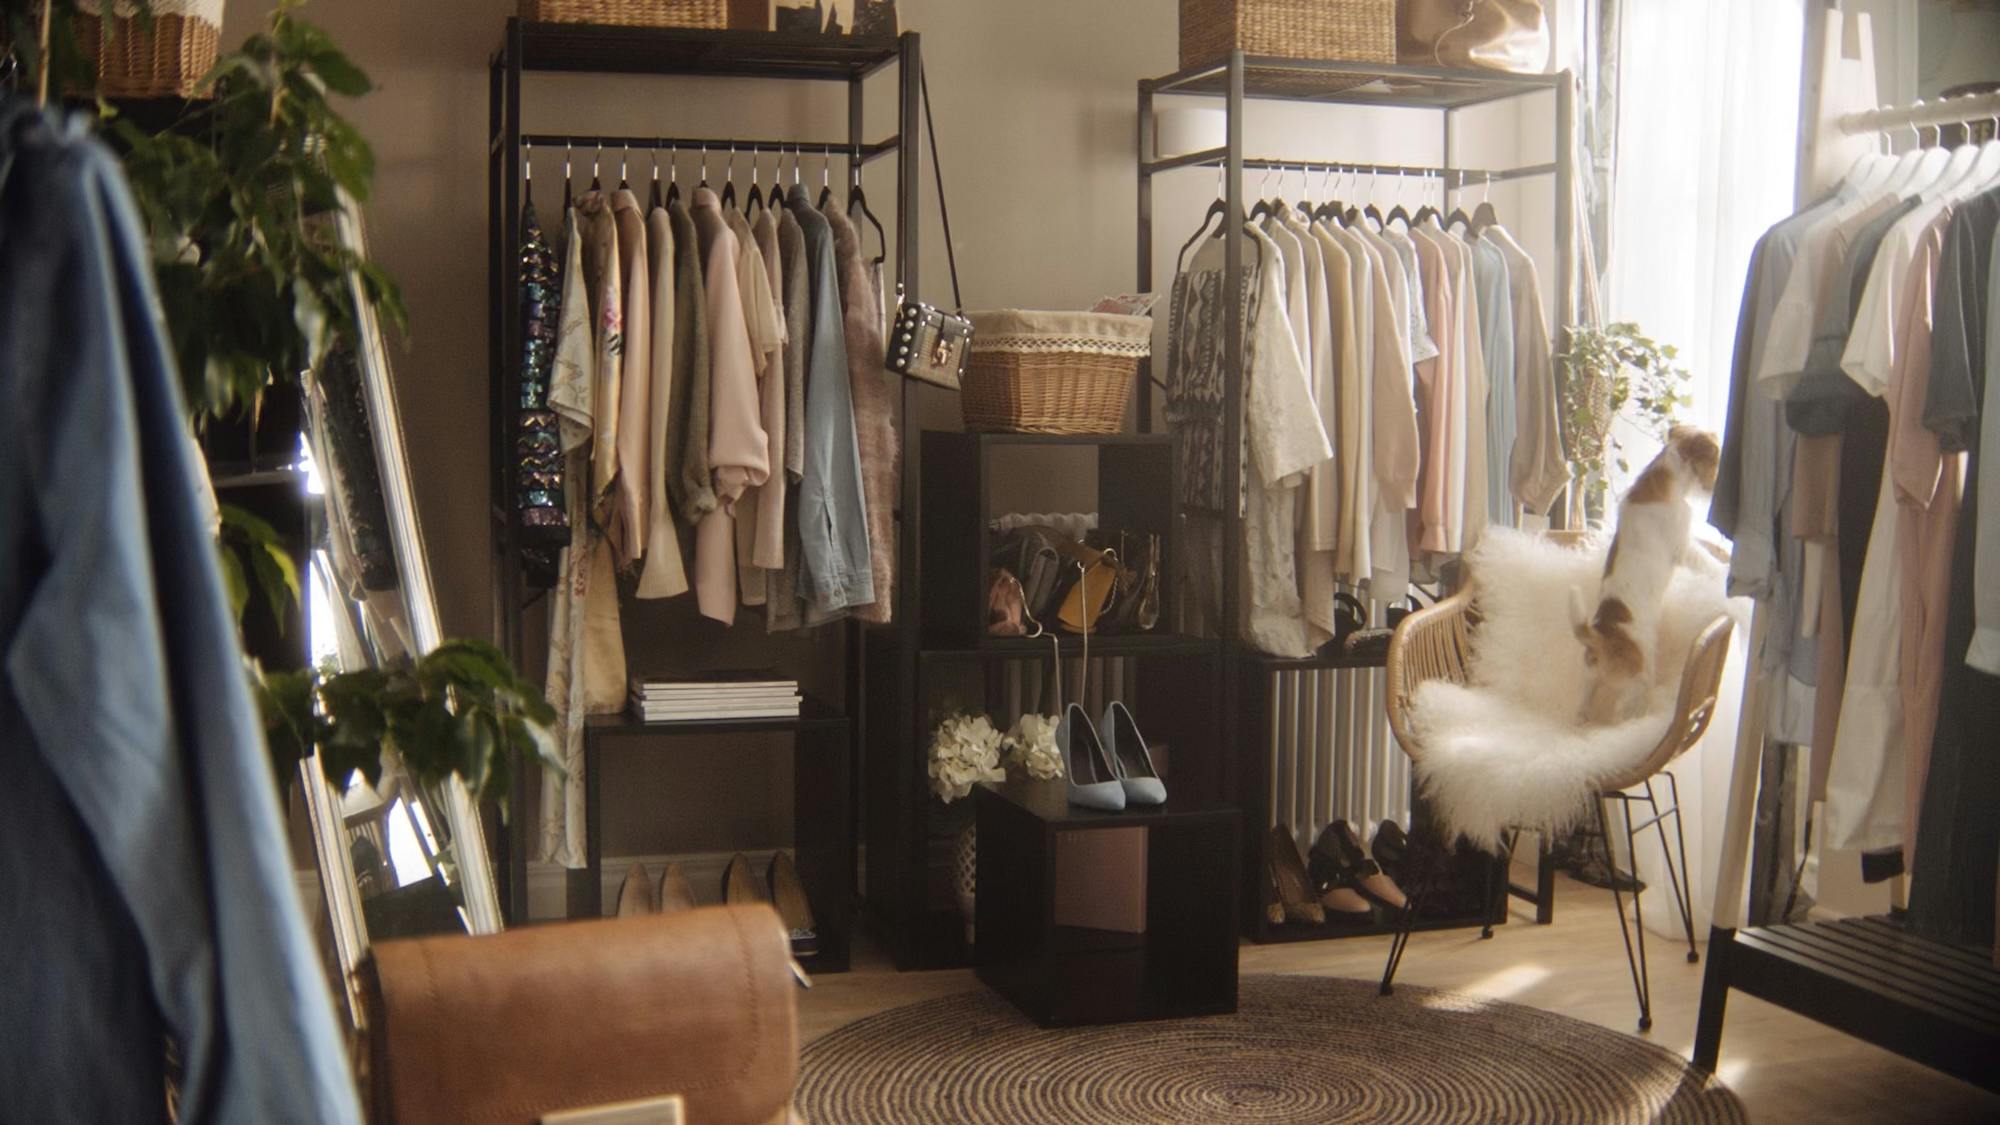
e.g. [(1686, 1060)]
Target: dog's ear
[(1699, 451)]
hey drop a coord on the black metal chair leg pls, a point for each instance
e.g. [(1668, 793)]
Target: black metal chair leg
[(1634, 958), (1684, 884), (1399, 941)]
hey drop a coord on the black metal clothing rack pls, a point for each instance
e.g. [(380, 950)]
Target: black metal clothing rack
[(1239, 80), (532, 47)]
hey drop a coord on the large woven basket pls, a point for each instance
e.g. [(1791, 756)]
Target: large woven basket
[(164, 59), (1355, 30), (1052, 372), (629, 13)]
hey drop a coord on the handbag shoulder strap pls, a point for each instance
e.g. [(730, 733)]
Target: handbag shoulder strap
[(937, 170)]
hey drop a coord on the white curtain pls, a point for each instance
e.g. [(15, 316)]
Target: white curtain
[(1707, 124)]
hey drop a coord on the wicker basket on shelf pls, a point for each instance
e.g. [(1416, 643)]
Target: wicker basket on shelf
[(629, 13), (165, 58), (1052, 372), (1353, 30)]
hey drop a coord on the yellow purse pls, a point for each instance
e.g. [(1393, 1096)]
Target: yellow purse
[(1092, 592)]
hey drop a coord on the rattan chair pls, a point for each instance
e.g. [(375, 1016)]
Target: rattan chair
[(1436, 643)]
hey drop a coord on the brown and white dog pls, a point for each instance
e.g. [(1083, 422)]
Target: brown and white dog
[(1653, 522)]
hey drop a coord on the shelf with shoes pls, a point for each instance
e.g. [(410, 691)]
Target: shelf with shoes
[(824, 774), (962, 481), (822, 825)]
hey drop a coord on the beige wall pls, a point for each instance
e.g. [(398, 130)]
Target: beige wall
[(1035, 100)]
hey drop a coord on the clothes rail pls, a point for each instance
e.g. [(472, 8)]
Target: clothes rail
[(1947, 111), (1454, 177), (719, 147)]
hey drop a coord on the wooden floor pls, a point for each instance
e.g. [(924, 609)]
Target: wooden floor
[(1784, 1067)]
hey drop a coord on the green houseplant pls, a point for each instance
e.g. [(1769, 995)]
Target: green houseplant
[(1612, 371), (237, 198)]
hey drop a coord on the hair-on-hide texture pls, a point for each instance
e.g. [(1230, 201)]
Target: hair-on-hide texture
[(1506, 749)]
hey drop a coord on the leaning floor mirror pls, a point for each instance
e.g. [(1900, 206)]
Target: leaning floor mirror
[(395, 858)]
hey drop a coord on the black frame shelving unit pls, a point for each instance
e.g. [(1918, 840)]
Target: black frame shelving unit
[(940, 652), (823, 735), (1239, 80)]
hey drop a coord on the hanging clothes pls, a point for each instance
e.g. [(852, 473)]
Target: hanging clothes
[(1752, 502), (762, 317), (664, 573), (538, 455), (1389, 419), (1320, 558), (1496, 335), (1315, 564), (1537, 471), (833, 513), (873, 408), (767, 549), (784, 610), (626, 528), (1864, 807), (1957, 861), (146, 888), (689, 484), (738, 448)]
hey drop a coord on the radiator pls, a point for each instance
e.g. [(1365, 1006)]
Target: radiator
[(1331, 755)]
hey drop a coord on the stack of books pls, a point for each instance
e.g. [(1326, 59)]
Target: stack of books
[(716, 695)]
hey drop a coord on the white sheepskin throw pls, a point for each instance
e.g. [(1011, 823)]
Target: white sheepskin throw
[(1507, 750)]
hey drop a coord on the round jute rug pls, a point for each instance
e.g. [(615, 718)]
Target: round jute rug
[(1299, 1049)]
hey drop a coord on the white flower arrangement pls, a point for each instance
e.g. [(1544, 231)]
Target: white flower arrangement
[(965, 750), (1031, 747)]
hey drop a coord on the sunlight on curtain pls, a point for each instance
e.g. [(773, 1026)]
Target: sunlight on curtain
[(1707, 123)]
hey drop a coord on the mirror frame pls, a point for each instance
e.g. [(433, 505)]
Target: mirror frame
[(340, 884)]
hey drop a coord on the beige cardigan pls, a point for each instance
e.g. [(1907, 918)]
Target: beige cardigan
[(738, 448)]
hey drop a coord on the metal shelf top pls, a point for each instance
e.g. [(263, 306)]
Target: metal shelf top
[(1341, 82), (605, 49)]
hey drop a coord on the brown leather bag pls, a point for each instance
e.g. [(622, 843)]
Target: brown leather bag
[(507, 1028), (1508, 35)]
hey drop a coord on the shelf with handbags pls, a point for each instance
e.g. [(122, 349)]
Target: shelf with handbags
[(585, 416), (1304, 682)]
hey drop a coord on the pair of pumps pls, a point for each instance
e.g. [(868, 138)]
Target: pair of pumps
[(1112, 771)]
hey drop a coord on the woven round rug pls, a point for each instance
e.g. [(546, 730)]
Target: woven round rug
[(1298, 1049)]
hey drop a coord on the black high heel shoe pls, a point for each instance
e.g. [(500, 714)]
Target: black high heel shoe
[(1339, 860), (1391, 847)]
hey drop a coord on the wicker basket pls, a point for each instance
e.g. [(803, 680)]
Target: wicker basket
[(166, 59), (1355, 30), (629, 13), (1052, 372)]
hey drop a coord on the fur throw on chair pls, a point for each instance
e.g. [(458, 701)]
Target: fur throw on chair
[(1507, 749)]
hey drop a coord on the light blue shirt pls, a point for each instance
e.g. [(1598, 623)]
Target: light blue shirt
[(145, 878)]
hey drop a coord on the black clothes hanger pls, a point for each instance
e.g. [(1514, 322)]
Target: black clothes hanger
[(756, 196), (1216, 209), (595, 183), (673, 176), (653, 199), (856, 197), (729, 180), (825, 182), (527, 174), (1484, 215), (567, 201)]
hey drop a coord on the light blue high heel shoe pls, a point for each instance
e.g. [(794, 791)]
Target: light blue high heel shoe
[(1092, 779), (1129, 756)]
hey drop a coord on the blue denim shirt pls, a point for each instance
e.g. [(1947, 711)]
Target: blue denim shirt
[(833, 515), (145, 881)]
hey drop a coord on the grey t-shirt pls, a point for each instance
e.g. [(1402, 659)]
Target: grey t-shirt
[(1959, 328)]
